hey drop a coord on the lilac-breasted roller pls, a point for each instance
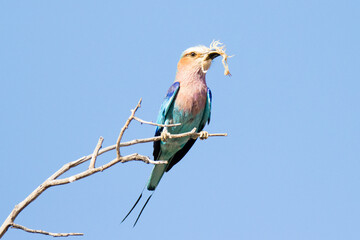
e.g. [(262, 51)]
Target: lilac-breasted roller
[(188, 102)]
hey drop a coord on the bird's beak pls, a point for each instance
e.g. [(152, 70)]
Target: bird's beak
[(212, 55), (206, 63)]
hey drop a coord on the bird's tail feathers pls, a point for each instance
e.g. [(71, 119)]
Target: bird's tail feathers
[(153, 182), (142, 209), (148, 196), (156, 176)]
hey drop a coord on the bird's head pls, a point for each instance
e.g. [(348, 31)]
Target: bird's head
[(198, 59)]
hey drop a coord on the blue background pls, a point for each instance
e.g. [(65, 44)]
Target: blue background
[(70, 72)]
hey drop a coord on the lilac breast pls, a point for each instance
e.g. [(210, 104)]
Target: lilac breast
[(191, 98)]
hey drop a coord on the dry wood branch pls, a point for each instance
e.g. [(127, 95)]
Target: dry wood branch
[(133, 111), (54, 181), (44, 232), (156, 124), (96, 152)]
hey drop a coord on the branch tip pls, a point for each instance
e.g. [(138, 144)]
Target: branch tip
[(17, 226), (96, 153)]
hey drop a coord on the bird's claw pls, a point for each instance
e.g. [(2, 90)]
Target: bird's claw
[(164, 135), (203, 135)]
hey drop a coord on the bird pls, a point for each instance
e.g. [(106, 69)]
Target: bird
[(188, 102)]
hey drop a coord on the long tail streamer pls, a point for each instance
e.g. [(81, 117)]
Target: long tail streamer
[(137, 201), (142, 209)]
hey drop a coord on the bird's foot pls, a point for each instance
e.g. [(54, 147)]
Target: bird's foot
[(164, 135), (203, 135)]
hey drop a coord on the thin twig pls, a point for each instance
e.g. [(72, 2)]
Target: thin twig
[(45, 232), (96, 152), (156, 124), (133, 111)]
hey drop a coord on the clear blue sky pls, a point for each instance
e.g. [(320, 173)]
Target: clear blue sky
[(70, 71)]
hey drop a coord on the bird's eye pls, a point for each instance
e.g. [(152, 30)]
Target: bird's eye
[(192, 54)]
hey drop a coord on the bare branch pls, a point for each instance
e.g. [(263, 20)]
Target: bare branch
[(44, 232), (91, 171), (133, 111), (54, 181), (156, 124), (96, 152)]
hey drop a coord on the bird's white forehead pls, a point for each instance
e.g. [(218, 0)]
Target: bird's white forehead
[(198, 49)]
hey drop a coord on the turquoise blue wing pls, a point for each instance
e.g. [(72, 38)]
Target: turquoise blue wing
[(165, 106), (164, 109), (207, 111)]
